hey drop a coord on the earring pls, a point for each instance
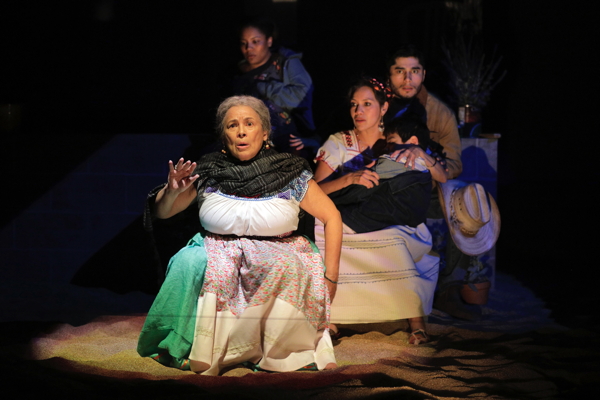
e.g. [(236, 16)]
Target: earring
[(223, 151)]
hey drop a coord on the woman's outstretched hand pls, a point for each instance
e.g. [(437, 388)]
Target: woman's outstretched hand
[(364, 177), (176, 195), (180, 177)]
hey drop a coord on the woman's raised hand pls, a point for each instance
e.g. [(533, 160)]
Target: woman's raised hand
[(180, 177), (173, 197), (365, 177)]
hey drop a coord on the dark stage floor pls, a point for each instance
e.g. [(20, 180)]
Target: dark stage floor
[(84, 345)]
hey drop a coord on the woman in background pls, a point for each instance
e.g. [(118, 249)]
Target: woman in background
[(278, 78)]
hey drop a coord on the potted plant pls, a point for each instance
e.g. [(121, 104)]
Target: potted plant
[(476, 287), (471, 80)]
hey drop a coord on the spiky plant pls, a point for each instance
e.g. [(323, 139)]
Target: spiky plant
[(471, 78)]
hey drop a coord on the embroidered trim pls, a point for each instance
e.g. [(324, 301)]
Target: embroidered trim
[(327, 350), (270, 339), (348, 139), (377, 277), (185, 363), (205, 332), (296, 189), (242, 348)]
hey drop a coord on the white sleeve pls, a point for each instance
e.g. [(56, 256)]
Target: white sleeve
[(332, 152)]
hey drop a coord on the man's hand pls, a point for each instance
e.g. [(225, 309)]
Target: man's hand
[(299, 143), (411, 153)]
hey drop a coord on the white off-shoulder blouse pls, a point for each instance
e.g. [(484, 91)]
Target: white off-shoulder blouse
[(275, 215)]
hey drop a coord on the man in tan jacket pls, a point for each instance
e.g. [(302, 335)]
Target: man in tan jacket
[(406, 74)]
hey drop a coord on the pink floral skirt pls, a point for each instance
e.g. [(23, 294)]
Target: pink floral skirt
[(263, 301)]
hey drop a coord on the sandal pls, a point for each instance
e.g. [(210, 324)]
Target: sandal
[(166, 359), (414, 339), (309, 367), (335, 335)]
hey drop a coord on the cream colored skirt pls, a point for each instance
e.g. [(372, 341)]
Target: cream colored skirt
[(385, 275)]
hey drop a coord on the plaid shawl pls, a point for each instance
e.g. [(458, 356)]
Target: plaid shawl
[(265, 174)]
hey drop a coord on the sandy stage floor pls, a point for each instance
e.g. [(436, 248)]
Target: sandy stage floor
[(515, 352)]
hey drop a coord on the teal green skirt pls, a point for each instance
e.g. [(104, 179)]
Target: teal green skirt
[(168, 332)]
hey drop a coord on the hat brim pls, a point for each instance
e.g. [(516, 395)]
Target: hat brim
[(485, 238)]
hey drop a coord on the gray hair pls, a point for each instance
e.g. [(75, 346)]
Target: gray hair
[(249, 101)]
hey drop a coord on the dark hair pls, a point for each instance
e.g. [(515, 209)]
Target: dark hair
[(412, 122), (406, 50), (265, 26), (408, 126), (381, 91)]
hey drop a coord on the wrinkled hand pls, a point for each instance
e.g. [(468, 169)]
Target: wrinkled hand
[(298, 143), (180, 177), (410, 154), (364, 177)]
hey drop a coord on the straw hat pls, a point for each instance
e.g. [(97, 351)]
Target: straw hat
[(472, 216)]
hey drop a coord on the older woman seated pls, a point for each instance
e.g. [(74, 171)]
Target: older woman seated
[(245, 289)]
